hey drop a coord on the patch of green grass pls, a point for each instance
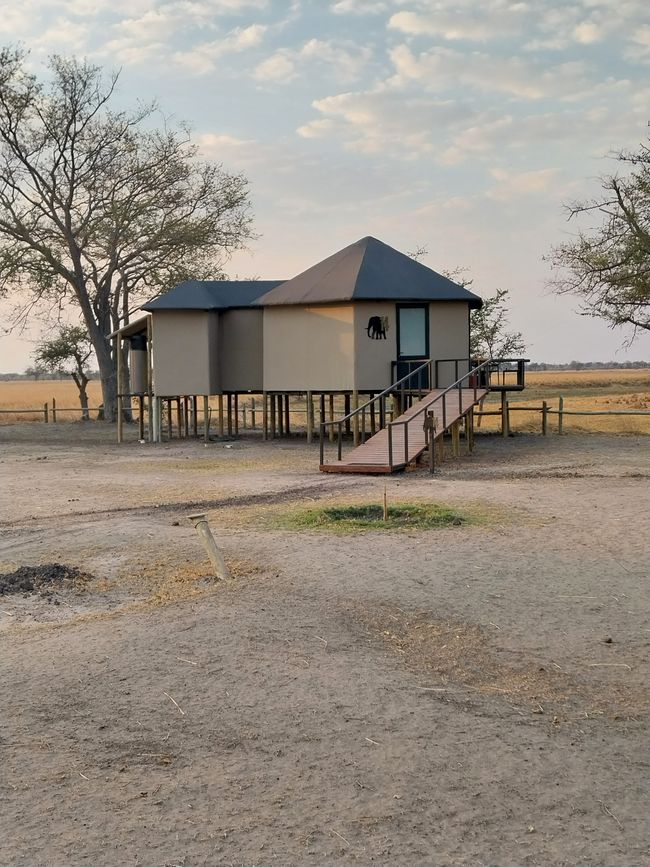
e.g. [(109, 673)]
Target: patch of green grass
[(349, 518)]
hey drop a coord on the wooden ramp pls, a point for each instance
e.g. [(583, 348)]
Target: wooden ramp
[(372, 457)]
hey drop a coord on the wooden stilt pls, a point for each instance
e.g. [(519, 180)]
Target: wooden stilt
[(273, 407), (235, 409), (331, 416), (220, 409), (322, 413), (141, 416), (346, 411), (265, 416), (170, 419), (355, 419), (120, 377), (253, 413), (280, 416), (504, 415), (179, 417), (310, 418), (440, 444), (186, 416), (229, 413), (287, 416), (206, 418), (455, 438), (470, 430), (195, 420), (373, 419)]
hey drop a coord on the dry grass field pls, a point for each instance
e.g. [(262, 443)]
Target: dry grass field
[(582, 390)]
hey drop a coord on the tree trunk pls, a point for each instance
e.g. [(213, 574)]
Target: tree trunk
[(108, 379), (83, 400)]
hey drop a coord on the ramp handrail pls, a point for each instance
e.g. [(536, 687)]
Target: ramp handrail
[(485, 368)]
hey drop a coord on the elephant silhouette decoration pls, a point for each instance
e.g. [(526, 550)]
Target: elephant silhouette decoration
[(376, 329)]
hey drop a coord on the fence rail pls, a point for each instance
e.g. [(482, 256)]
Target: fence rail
[(249, 415)]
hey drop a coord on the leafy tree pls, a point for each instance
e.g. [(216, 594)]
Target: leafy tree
[(608, 266), (97, 208), (68, 351), (489, 336)]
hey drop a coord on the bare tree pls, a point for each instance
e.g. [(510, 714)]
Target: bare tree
[(68, 351), (608, 266), (97, 209)]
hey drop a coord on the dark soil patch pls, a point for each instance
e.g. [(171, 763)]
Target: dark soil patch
[(41, 579)]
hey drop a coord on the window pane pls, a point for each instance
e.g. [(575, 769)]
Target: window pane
[(413, 331)]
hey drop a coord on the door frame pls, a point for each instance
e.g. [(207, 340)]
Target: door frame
[(424, 307)]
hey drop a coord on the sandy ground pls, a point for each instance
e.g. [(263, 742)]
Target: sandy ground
[(470, 695)]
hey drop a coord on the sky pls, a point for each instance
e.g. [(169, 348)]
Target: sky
[(461, 127)]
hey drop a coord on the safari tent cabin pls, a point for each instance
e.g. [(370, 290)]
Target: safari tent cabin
[(361, 319), (207, 337)]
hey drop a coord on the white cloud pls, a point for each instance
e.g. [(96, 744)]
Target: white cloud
[(444, 68), (203, 58), (514, 185), (456, 23), (358, 7), (344, 62), (278, 67)]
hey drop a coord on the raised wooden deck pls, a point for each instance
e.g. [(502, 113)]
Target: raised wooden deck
[(372, 456)]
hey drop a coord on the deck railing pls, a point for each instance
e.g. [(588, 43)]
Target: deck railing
[(410, 388)]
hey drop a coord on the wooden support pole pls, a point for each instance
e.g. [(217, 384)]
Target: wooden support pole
[(455, 438), (331, 416), (287, 415), (265, 416), (170, 419), (440, 443), (220, 410), (309, 409), (355, 419), (560, 419), (321, 399), (235, 411), (120, 414), (206, 418), (150, 396), (273, 408), (373, 418), (54, 410), (46, 419), (195, 420), (141, 417), (252, 413), (346, 411), (470, 430), (544, 418), (229, 413), (243, 416), (186, 416), (504, 415), (280, 415), (179, 417)]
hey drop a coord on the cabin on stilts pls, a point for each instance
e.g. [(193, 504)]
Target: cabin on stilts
[(372, 346)]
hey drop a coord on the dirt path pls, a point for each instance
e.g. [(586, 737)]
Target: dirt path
[(476, 694)]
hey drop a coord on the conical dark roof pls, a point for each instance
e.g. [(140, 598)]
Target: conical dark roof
[(368, 270)]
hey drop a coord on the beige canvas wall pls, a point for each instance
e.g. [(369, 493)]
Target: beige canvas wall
[(184, 352), (309, 348), (240, 350), (449, 336), (373, 357)]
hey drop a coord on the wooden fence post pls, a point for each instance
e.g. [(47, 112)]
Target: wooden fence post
[(560, 420), (54, 410), (45, 413), (544, 418)]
